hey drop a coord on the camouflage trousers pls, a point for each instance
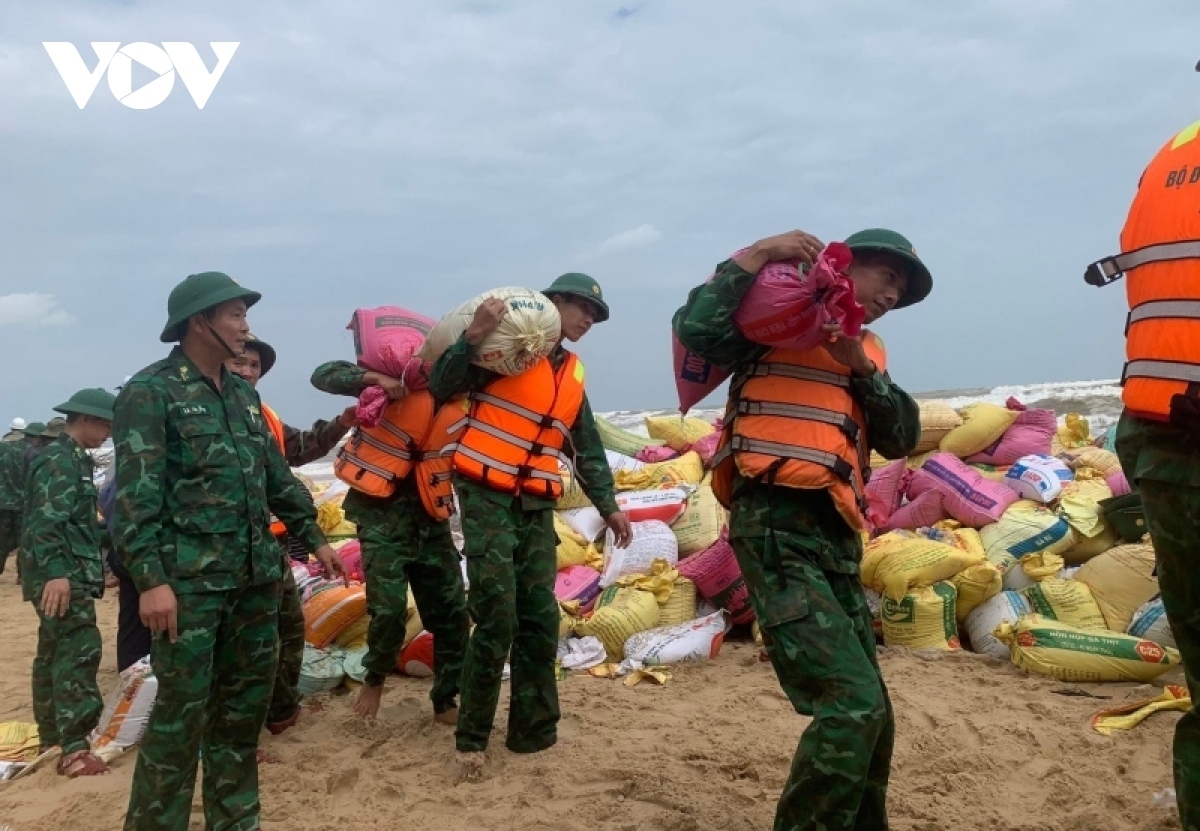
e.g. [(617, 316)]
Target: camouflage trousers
[(10, 535), (511, 567), (412, 549), (1173, 517), (285, 695), (214, 684), (816, 627), (66, 699)]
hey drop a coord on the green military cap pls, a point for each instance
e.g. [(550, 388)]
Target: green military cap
[(581, 285), (34, 429), (199, 292), (920, 281), (266, 352), (97, 402)]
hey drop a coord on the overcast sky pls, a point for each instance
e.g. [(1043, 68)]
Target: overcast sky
[(361, 154)]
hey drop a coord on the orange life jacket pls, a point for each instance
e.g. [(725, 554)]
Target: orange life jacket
[(518, 426), (792, 420), (275, 425), (1160, 247), (410, 438)]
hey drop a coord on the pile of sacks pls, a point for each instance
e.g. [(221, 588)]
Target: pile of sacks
[(676, 590), (994, 536)]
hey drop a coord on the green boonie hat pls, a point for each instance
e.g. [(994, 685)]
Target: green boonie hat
[(199, 292), (266, 352), (34, 429), (54, 427), (580, 285), (13, 435), (920, 281), (97, 403)]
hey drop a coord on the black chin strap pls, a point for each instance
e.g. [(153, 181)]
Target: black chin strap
[(220, 339)]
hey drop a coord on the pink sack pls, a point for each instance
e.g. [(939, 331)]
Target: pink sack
[(652, 454), (371, 404), (719, 580), (785, 309), (1030, 435), (927, 509), (351, 554), (885, 491), (1118, 483), (695, 377), (707, 446), (577, 583), (969, 498), (386, 338)]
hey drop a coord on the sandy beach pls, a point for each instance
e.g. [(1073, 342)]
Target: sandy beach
[(979, 746)]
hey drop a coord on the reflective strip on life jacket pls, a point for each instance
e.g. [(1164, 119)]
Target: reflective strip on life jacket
[(840, 420), (391, 450), (544, 421), (799, 373), (533, 447), (1163, 310), (1111, 269), (520, 471), (1164, 371), (367, 466)]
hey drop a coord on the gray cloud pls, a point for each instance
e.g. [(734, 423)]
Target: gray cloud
[(417, 154)]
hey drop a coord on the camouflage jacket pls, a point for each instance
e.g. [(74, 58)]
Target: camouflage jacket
[(61, 534), (453, 374), (198, 477), (1158, 451), (304, 446), (345, 378), (12, 474), (704, 325)]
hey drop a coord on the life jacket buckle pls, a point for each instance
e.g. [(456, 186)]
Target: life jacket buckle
[(1103, 273)]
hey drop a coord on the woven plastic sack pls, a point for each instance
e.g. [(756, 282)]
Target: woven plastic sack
[(678, 431), (654, 455), (925, 510), (718, 578), (695, 377), (787, 310), (1069, 653), (651, 541), (327, 613), (1030, 434), (1069, 601), (625, 612), (983, 425), (924, 618), (664, 505), (701, 522), (694, 640), (938, 420), (969, 498), (127, 710), (386, 338), (975, 585), (528, 333), (981, 623), (352, 560), (680, 606), (1122, 580), (622, 441), (1150, 622), (1025, 528), (1039, 478), (577, 583), (686, 470), (885, 492), (322, 669), (900, 561)]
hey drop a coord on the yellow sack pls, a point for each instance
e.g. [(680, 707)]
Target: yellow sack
[(568, 617), (1075, 433), (688, 469), (1069, 653), (1026, 528), (1068, 601), (1121, 580), (572, 547), (701, 522), (1129, 716), (1080, 506), (982, 425), (938, 420), (622, 441), (976, 585), (922, 619), (1042, 566), (18, 742), (900, 560), (1098, 459), (412, 620), (332, 520), (1087, 548), (968, 539), (627, 612), (660, 581), (678, 431), (354, 636), (680, 606), (572, 495)]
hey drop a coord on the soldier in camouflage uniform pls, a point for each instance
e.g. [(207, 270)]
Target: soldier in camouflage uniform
[(12, 489), (403, 546), (510, 547), (800, 558), (198, 477), (63, 572), (299, 448)]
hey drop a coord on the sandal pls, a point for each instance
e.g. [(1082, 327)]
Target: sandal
[(81, 763)]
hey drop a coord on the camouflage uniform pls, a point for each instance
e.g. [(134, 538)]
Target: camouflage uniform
[(11, 495), (1163, 462), (198, 477), (402, 545), (61, 539), (300, 448), (800, 560), (510, 545)]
